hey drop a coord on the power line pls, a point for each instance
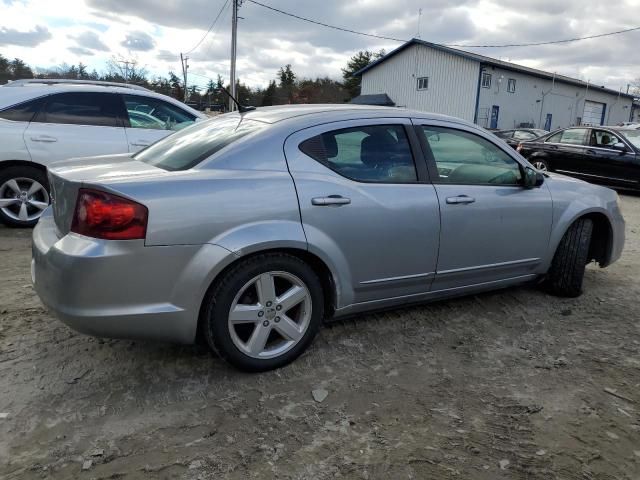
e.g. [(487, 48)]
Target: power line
[(213, 24), (382, 37)]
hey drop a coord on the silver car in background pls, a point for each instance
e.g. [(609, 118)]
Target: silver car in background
[(250, 229)]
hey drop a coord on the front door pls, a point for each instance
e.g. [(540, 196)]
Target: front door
[(608, 165), (79, 124), (495, 112), (493, 228), (367, 206), (151, 119)]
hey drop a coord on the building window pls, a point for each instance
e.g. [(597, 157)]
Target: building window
[(423, 83), (486, 80), (511, 85)]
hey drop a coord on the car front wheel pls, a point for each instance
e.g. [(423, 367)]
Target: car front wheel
[(24, 195), (264, 312), (566, 274)]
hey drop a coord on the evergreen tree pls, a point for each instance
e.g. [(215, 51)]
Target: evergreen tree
[(355, 63)]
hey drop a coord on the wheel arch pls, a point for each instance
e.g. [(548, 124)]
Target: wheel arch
[(22, 163), (327, 278)]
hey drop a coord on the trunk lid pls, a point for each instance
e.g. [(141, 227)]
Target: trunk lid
[(67, 177)]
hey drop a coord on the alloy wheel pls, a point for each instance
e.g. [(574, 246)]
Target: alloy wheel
[(23, 199), (540, 166), (270, 314)]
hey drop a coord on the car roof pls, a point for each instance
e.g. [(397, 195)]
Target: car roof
[(330, 112), (13, 95)]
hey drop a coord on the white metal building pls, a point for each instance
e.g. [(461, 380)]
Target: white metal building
[(492, 93)]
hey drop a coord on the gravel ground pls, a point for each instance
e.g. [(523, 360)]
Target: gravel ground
[(508, 385)]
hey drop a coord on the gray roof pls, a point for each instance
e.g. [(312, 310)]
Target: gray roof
[(492, 62), (381, 99)]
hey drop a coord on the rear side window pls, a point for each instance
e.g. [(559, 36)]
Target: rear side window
[(155, 114), (83, 108), (572, 136), (504, 134), (23, 112), (523, 135), (373, 153), (187, 148)]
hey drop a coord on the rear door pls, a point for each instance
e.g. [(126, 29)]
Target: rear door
[(492, 228), (149, 119), (367, 205), (77, 124), (566, 149)]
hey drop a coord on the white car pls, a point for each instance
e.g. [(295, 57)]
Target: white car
[(43, 121)]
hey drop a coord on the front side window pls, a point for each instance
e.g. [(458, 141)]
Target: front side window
[(82, 108), (423, 83), (187, 148), (155, 114), (372, 153), (603, 139), (511, 85), (465, 158), (486, 80), (23, 112)]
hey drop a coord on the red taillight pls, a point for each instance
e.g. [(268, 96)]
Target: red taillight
[(104, 215), (519, 148)]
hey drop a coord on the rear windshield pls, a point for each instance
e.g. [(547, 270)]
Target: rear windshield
[(632, 135), (187, 148)]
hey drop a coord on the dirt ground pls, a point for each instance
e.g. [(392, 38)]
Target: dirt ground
[(506, 385)]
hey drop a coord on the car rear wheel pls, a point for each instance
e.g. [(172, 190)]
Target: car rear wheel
[(24, 195), (541, 165), (264, 312), (567, 269)]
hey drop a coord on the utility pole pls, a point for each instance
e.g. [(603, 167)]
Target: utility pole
[(234, 48), (126, 64), (184, 61)]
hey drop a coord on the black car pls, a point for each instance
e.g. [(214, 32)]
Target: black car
[(605, 155), (515, 136)]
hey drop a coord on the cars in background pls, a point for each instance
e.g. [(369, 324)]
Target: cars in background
[(606, 155), (250, 229), (515, 136), (43, 121)]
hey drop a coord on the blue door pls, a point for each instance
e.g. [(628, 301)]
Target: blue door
[(495, 111), (547, 123)]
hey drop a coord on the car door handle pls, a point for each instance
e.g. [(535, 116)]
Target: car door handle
[(460, 199), (140, 143), (591, 152), (331, 200), (44, 138)]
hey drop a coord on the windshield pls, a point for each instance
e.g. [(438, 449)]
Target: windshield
[(189, 147), (632, 135)]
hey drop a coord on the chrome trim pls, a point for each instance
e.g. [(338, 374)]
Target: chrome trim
[(597, 176), (491, 265), (395, 279)]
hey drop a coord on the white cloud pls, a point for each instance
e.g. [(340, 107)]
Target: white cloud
[(154, 33)]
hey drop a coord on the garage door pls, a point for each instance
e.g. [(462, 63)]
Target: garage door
[(593, 113)]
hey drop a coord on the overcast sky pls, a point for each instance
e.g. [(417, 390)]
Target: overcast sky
[(46, 33)]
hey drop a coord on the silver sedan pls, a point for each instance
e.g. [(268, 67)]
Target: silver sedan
[(249, 230)]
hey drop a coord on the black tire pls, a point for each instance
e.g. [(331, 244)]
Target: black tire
[(219, 299), (567, 269), (22, 172), (540, 163)]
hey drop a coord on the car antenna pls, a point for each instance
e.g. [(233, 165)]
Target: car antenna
[(241, 108)]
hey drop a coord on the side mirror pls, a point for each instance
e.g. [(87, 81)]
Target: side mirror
[(619, 146), (532, 178)]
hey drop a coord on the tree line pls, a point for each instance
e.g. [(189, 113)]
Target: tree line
[(287, 87)]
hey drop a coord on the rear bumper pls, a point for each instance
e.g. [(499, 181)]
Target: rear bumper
[(123, 289)]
